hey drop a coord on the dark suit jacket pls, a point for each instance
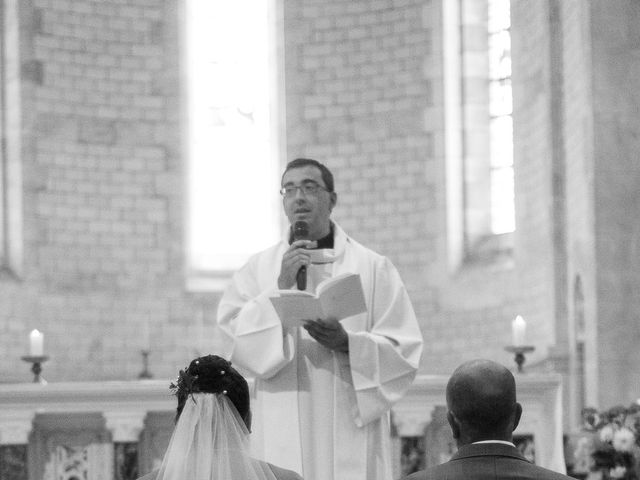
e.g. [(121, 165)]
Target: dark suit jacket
[(487, 461)]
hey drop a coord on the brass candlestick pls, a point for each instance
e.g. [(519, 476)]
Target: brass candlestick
[(519, 351), (36, 366)]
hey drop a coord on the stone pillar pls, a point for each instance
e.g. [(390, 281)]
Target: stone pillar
[(412, 422), (15, 427), (125, 428), (409, 425), (439, 441)]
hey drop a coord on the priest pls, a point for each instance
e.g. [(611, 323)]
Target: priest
[(323, 391)]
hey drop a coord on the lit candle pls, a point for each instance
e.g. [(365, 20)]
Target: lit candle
[(518, 327), (36, 340)]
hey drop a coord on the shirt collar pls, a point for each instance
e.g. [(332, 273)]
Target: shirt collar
[(324, 242), (504, 442)]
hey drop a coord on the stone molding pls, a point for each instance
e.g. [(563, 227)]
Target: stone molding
[(65, 397), (124, 406)]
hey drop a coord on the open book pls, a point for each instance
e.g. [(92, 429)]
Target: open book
[(337, 297)]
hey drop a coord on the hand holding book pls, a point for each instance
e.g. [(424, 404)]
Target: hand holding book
[(330, 333)]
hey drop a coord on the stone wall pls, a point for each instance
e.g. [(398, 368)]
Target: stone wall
[(102, 163), (361, 82), (615, 55)]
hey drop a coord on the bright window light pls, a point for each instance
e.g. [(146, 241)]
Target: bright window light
[(501, 122), (234, 205)]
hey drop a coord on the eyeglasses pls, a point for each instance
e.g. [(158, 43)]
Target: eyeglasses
[(307, 188)]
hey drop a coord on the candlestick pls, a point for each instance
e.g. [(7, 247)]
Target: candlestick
[(36, 366), (518, 328), (36, 343), (519, 351), (145, 373)]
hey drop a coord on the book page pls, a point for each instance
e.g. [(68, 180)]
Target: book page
[(295, 310), (342, 296)]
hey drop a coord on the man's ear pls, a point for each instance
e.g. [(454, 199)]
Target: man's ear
[(454, 424), (334, 199), (516, 415)]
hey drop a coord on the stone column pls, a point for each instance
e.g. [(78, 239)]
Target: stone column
[(125, 427), (410, 420), (15, 427)]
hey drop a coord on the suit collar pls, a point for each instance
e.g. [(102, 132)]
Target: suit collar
[(483, 449)]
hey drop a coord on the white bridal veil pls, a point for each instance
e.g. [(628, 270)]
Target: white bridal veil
[(211, 442)]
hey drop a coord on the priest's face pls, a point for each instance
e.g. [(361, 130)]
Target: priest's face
[(311, 202)]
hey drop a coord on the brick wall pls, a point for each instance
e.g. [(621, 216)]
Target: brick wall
[(102, 215), (103, 168), (103, 175), (534, 241), (362, 86)]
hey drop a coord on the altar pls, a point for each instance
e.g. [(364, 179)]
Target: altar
[(119, 430)]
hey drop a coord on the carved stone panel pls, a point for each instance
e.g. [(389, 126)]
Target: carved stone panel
[(13, 462), (70, 446), (412, 456), (126, 460)]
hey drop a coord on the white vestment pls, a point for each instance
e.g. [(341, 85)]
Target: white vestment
[(322, 413)]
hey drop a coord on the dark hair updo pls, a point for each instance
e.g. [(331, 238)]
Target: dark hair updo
[(212, 374)]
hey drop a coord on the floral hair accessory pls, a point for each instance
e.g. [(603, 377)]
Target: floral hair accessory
[(185, 383)]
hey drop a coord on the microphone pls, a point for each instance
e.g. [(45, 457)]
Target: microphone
[(301, 232)]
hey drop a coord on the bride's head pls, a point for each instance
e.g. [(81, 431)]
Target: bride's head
[(213, 374)]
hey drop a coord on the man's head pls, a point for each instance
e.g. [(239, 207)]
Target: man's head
[(308, 195), (481, 399)]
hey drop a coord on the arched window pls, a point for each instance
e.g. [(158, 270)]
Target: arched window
[(10, 131), (500, 117), (478, 130), (233, 139)]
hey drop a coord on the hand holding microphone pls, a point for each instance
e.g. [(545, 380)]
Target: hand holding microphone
[(293, 270), (301, 232)]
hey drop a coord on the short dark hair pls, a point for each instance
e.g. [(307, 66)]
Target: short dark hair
[(327, 176), (213, 374), (482, 395)]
